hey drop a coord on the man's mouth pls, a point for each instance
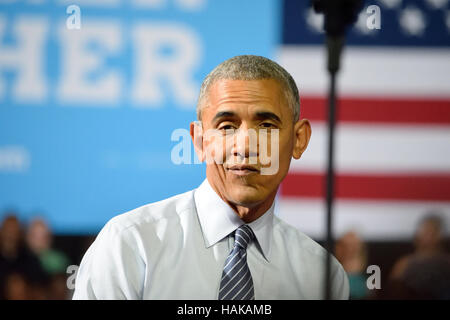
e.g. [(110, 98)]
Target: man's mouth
[(243, 170)]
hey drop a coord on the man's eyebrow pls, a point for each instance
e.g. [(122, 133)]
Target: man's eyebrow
[(223, 114), (259, 115), (268, 115)]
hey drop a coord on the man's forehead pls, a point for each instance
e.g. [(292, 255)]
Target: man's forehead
[(230, 87), (244, 96)]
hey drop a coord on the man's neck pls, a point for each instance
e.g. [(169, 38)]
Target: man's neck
[(248, 212)]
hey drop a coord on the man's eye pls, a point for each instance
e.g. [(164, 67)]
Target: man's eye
[(226, 127), (267, 125)]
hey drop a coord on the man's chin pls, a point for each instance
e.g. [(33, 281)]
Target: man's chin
[(247, 196)]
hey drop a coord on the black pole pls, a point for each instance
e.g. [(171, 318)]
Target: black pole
[(334, 50), (338, 15), (329, 245)]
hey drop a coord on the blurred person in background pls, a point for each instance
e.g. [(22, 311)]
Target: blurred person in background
[(20, 269), (39, 239), (58, 287), (54, 262), (424, 274), (16, 287), (351, 252), (428, 242)]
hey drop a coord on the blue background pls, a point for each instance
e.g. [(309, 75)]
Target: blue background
[(90, 163)]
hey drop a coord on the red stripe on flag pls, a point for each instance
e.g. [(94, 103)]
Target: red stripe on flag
[(408, 111), (362, 186)]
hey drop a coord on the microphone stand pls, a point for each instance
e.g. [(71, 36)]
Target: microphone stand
[(338, 15), (333, 68)]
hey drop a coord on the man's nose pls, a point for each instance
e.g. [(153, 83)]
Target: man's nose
[(245, 143)]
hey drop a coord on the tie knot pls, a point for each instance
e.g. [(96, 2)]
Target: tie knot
[(243, 235)]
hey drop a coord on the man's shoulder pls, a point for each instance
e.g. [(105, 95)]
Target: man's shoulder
[(155, 212), (297, 240), (303, 248)]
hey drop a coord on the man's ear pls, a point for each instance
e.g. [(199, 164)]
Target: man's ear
[(196, 132), (302, 134)]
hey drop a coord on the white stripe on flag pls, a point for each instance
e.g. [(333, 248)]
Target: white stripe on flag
[(378, 149), (373, 220), (371, 70)]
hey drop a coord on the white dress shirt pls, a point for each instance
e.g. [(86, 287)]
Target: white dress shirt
[(176, 249)]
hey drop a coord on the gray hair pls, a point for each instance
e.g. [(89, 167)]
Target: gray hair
[(250, 67)]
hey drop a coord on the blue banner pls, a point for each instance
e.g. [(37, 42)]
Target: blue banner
[(91, 93)]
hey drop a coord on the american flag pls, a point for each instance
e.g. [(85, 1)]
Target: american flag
[(392, 154)]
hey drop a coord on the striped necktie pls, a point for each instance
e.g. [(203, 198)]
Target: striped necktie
[(237, 283)]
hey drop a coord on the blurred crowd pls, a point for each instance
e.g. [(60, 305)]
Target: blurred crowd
[(421, 274), (31, 268)]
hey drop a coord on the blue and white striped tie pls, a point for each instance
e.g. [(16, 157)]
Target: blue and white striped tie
[(237, 283)]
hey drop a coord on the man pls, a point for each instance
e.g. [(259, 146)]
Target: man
[(222, 240)]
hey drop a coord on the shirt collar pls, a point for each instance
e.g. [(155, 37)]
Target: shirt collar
[(218, 219)]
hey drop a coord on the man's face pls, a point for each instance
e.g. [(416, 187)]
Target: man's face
[(238, 113)]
